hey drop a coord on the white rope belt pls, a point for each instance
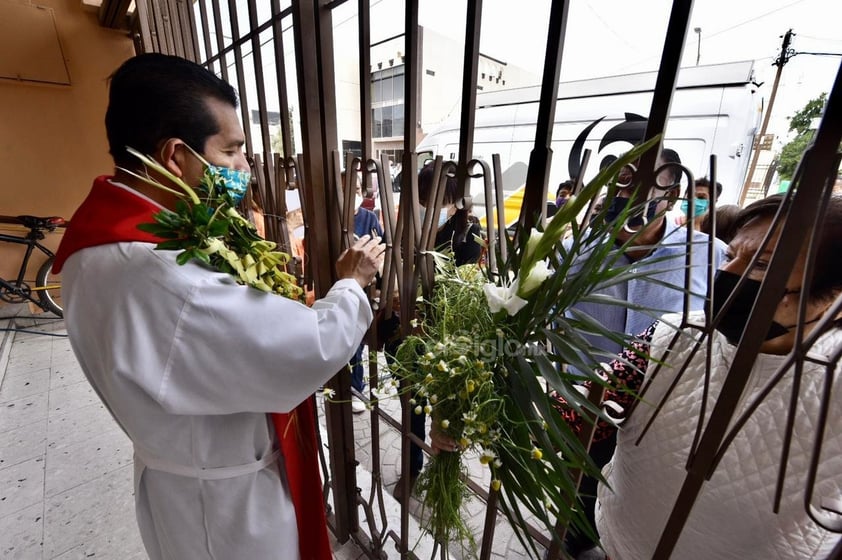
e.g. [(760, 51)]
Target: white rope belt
[(155, 463)]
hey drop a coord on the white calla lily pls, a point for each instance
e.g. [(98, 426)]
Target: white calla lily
[(532, 243), (503, 297), (539, 273)]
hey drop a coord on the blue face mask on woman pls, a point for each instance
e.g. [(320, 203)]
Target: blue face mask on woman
[(700, 206)]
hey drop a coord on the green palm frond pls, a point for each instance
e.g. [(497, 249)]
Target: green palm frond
[(537, 455)]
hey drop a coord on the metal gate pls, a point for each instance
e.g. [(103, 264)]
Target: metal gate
[(238, 38)]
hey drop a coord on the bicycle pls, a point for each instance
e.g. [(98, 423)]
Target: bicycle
[(46, 293)]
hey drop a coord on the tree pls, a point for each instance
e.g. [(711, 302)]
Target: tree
[(799, 122)]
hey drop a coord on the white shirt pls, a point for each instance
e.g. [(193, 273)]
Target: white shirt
[(189, 363)]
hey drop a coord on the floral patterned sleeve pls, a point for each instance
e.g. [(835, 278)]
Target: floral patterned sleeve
[(626, 373)]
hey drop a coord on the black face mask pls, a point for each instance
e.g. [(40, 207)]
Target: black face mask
[(734, 321), (618, 204)]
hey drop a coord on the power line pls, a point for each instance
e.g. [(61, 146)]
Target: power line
[(752, 20), (721, 31)]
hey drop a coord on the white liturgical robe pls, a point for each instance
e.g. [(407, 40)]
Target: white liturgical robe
[(189, 363)]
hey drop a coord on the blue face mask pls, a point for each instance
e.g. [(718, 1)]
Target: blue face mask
[(700, 206), (226, 180), (231, 182)]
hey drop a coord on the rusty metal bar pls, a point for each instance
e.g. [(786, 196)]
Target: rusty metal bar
[(313, 29), (162, 27), (364, 18), (470, 68), (144, 20), (410, 160), (280, 71), (241, 77), (816, 167), (220, 44), (260, 85), (664, 86), (185, 29), (188, 18), (203, 16), (239, 42), (174, 23), (261, 193), (412, 83), (407, 225), (538, 172), (500, 205), (280, 206)]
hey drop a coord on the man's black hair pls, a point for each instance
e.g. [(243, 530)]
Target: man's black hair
[(705, 183), (668, 155), (154, 97), (426, 188)]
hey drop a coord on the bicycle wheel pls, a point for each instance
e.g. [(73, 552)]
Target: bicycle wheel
[(48, 285)]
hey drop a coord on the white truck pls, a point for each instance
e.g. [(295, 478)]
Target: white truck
[(715, 110)]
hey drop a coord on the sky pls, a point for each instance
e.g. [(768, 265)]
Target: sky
[(607, 37)]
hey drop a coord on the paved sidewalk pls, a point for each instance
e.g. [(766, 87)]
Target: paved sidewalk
[(66, 468)]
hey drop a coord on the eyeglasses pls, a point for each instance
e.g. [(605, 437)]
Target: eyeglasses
[(666, 178)]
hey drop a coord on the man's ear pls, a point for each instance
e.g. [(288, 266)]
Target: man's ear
[(173, 154)]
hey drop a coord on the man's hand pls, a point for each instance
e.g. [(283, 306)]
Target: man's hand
[(362, 261)]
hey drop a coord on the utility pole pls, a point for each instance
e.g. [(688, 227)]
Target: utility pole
[(786, 54)]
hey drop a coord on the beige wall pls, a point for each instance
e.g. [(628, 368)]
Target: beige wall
[(52, 138)]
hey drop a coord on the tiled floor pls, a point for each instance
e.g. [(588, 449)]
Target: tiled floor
[(66, 468)]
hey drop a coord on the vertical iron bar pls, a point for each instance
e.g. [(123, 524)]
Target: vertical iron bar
[(500, 205), (220, 41), (412, 83), (161, 26), (260, 84), (175, 28), (809, 193), (365, 80), (470, 67), (537, 175), (314, 64), (203, 15), (241, 77), (149, 43), (189, 20), (409, 187), (664, 86), (280, 71)]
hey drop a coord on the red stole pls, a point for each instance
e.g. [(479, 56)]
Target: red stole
[(111, 214)]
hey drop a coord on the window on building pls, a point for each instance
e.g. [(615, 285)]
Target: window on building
[(387, 108), (273, 117)]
